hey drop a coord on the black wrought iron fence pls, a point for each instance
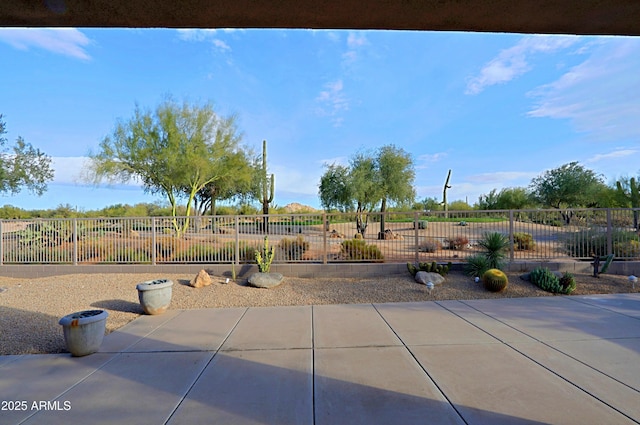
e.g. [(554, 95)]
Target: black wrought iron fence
[(321, 238)]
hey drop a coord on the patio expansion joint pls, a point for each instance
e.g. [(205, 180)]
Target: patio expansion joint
[(602, 307), (195, 380), (115, 356), (427, 374), (536, 340)]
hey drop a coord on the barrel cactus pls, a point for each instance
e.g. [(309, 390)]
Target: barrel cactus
[(495, 280)]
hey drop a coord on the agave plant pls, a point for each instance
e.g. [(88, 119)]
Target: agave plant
[(495, 244)]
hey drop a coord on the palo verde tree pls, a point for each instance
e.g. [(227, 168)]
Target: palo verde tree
[(395, 178), (568, 186), (175, 150), (22, 166), (234, 181), (370, 179)]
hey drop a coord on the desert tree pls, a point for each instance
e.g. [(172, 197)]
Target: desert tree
[(22, 166), (175, 150), (396, 175), (568, 186)]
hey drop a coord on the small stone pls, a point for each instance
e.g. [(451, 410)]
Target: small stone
[(202, 279), (265, 280), (424, 277)]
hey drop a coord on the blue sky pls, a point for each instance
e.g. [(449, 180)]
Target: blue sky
[(496, 109)]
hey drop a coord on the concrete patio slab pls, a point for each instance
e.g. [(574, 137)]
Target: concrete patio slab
[(428, 323), (204, 329), (376, 385), (493, 384), (134, 331), (559, 318), (144, 388), (42, 377), (493, 327), (617, 358), (252, 387), (557, 360), (583, 375), (627, 304), (351, 325), (266, 328)]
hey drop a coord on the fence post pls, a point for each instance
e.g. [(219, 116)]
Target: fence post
[(416, 235), (153, 241), (609, 233), (511, 241), (1, 245), (325, 224), (75, 241), (236, 254)]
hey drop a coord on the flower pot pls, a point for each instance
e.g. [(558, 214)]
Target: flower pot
[(84, 331), (155, 295)]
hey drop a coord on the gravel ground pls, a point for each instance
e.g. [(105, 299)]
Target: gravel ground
[(30, 308)]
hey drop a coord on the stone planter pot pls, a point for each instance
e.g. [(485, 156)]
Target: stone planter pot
[(84, 331), (155, 295)]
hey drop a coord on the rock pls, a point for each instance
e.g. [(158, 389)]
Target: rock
[(525, 277), (202, 279), (336, 235), (265, 280), (424, 277)]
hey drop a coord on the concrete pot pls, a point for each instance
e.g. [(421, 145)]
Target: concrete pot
[(155, 295), (84, 331)]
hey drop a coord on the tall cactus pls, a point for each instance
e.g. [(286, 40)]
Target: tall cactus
[(444, 195), (632, 196), (266, 188)]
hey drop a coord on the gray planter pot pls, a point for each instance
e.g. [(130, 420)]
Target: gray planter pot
[(155, 295), (84, 331)]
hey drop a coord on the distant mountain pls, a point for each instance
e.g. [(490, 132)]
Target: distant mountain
[(296, 208)]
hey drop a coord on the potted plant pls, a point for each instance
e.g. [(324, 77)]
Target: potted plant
[(155, 295), (84, 331)]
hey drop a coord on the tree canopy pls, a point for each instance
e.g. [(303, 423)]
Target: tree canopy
[(175, 150), (371, 178), (568, 186), (22, 166)]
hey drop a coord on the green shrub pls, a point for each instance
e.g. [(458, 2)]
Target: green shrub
[(476, 265), (293, 249), (494, 280), (429, 245), (546, 280), (587, 243), (357, 249), (523, 241), (199, 253)]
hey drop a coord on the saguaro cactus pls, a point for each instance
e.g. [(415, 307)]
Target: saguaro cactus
[(266, 188), (632, 196), (444, 195)]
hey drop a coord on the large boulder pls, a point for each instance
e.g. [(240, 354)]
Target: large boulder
[(265, 280), (202, 279), (424, 277)]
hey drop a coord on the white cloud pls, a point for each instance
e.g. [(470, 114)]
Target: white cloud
[(197, 34), (423, 160), (503, 177), (338, 160), (355, 40), (616, 154), (71, 170), (512, 62), (333, 101), (600, 95), (64, 41), (221, 45)]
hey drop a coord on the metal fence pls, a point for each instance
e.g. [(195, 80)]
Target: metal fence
[(321, 238)]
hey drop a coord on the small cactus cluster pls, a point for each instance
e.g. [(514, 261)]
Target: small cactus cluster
[(495, 280), (546, 280), (264, 257), (433, 267)]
